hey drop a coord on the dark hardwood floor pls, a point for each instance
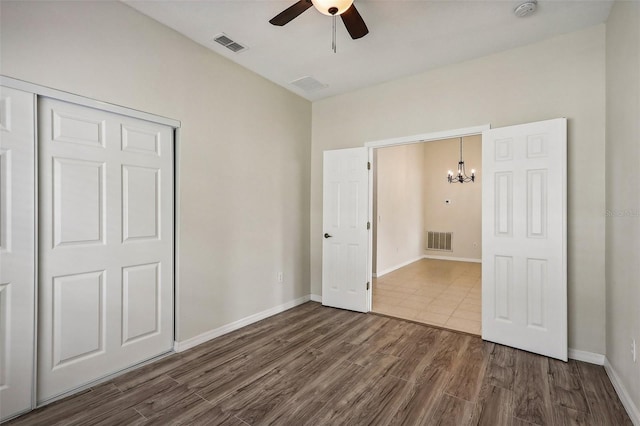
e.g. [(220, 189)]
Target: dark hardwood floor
[(314, 365)]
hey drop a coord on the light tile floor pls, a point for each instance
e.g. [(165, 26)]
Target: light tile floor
[(437, 292)]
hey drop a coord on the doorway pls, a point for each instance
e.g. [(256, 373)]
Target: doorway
[(524, 231), (426, 262)]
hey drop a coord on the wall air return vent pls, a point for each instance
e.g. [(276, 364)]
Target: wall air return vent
[(230, 44), (308, 84), (439, 240)]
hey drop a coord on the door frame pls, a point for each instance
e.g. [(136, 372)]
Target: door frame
[(43, 91), (407, 140)]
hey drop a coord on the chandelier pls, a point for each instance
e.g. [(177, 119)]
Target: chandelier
[(461, 176)]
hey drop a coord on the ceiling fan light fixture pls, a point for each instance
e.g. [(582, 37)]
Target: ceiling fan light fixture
[(349, 15), (338, 7)]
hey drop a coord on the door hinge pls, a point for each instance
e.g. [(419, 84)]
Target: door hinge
[(368, 165), (368, 225), (367, 286)]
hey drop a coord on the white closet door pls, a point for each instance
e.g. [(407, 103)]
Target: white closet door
[(106, 251), (17, 255)]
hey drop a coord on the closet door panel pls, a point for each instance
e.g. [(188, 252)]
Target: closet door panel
[(17, 251), (105, 244)]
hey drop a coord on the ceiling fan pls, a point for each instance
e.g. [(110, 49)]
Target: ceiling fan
[(344, 8)]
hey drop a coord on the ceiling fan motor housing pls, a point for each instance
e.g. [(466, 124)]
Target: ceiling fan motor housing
[(332, 7), (350, 16)]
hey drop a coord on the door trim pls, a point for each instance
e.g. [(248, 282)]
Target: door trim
[(177, 135), (61, 95), (406, 140), (428, 137)]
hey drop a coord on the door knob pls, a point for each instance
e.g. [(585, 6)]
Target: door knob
[(327, 235)]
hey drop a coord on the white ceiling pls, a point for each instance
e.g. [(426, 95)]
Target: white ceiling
[(405, 36)]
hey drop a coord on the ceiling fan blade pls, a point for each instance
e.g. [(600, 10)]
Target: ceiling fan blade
[(290, 13), (354, 23)]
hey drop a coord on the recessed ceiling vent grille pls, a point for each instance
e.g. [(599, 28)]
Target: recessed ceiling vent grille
[(309, 84), (439, 240), (230, 44)]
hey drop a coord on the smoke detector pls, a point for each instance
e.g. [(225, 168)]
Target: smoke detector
[(526, 8)]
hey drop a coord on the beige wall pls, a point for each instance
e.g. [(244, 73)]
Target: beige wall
[(398, 219), (244, 148), (244, 155), (410, 189), (623, 194), (559, 77), (463, 216)]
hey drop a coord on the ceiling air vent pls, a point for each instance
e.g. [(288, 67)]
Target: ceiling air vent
[(230, 44), (309, 84)]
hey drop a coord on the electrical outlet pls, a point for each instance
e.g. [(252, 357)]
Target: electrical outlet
[(633, 349), (280, 277)]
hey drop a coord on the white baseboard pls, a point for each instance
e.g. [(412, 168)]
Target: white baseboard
[(393, 268), (316, 298), (456, 259), (632, 409), (217, 332), (425, 256), (584, 356), (599, 359)]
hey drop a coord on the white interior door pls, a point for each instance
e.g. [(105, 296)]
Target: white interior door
[(17, 250), (345, 249), (524, 228), (106, 250)]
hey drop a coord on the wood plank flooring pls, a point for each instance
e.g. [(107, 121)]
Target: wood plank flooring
[(314, 365)]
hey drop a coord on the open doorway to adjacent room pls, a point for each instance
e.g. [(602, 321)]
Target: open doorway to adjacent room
[(427, 234)]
